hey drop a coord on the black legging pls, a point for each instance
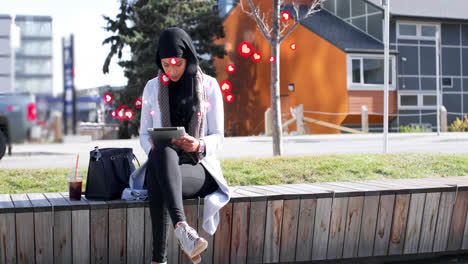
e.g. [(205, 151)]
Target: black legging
[(168, 183)]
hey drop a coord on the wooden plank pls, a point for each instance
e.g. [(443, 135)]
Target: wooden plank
[(398, 231), (384, 223), (80, 230), (24, 229), (118, 241), (330, 125), (256, 231), (135, 235), (191, 217), (337, 228), (289, 230), (413, 229), (62, 228), (465, 236), (43, 234), (368, 226), (207, 255), (305, 233), (271, 252), (431, 210), (99, 236), (240, 232), (148, 236), (173, 245), (447, 201), (7, 230), (321, 228), (222, 238), (457, 227), (353, 226)]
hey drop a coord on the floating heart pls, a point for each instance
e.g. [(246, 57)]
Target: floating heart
[(198, 113), (245, 49), (293, 46), (165, 78), (285, 16), (152, 113), (129, 114), (120, 112), (207, 105), (137, 103), (230, 68), (173, 61), (229, 97), (113, 113), (226, 86), (108, 98), (256, 56), (272, 59)]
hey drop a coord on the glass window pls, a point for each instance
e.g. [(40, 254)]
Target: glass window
[(428, 31), (408, 100), (374, 26), (407, 30), (429, 100), (360, 23), (447, 82), (358, 8), (35, 28), (343, 8), (356, 71), (40, 47), (373, 71), (33, 66), (329, 5)]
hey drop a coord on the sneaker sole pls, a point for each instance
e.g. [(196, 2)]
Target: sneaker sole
[(202, 245)]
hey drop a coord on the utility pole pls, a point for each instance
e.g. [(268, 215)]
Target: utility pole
[(386, 4)]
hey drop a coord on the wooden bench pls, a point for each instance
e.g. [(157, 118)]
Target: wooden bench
[(261, 224)]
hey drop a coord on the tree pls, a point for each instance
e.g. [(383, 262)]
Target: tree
[(275, 33), (138, 26)]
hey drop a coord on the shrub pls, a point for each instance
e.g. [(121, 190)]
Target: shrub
[(412, 129), (459, 125)]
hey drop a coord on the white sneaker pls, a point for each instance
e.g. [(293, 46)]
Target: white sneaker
[(189, 241)]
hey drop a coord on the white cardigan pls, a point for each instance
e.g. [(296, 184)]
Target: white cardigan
[(213, 137)]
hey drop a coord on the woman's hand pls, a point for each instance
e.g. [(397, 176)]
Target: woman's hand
[(187, 143)]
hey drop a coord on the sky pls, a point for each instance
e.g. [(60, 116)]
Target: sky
[(83, 18)]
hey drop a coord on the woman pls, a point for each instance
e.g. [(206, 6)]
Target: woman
[(186, 167)]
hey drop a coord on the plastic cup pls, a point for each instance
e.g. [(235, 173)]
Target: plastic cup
[(75, 184)]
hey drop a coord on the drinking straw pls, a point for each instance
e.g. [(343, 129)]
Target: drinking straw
[(76, 169)]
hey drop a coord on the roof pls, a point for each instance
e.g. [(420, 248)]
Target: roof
[(443, 9), (341, 34)]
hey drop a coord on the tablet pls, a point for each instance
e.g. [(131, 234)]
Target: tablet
[(163, 134)]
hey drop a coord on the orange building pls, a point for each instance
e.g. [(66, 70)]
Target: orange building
[(336, 68)]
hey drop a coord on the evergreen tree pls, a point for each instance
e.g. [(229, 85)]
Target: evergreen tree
[(138, 26)]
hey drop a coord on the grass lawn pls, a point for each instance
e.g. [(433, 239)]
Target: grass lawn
[(263, 171)]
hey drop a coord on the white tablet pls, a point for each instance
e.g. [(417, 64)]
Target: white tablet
[(162, 134)]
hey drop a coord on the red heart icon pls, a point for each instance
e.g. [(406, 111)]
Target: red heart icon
[(152, 113), (113, 113), (137, 103), (165, 78), (229, 97), (225, 86), (293, 46), (108, 98), (285, 16), (256, 56), (120, 112), (230, 68), (272, 59), (173, 61), (198, 113), (129, 114), (245, 48)]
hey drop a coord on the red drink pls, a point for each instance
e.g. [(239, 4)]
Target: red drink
[(74, 190)]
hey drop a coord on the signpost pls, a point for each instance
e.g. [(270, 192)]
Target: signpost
[(69, 102)]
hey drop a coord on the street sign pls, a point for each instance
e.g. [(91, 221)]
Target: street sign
[(69, 102)]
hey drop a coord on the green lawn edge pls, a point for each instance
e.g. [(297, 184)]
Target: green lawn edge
[(277, 170)]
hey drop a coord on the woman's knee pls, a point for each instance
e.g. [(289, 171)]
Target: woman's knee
[(165, 150)]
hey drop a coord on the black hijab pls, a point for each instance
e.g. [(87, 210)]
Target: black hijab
[(175, 42)]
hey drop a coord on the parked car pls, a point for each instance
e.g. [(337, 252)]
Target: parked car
[(17, 117)]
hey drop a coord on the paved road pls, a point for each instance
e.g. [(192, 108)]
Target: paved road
[(64, 155)]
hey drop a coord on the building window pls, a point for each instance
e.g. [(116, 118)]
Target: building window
[(411, 30), (366, 72), (417, 100), (447, 82)]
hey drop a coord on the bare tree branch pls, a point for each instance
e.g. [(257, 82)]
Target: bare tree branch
[(262, 25), (310, 11)]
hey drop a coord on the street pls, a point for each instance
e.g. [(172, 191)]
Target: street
[(64, 155)]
